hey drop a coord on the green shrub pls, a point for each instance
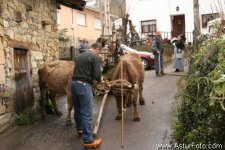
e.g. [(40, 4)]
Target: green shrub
[(28, 116), (200, 117)]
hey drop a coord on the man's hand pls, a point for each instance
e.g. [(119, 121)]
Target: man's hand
[(158, 52)]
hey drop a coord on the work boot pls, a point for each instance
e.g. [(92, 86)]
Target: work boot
[(79, 132), (177, 70), (95, 144), (158, 75)]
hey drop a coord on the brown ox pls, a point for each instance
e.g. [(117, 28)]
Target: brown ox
[(55, 78), (133, 72)]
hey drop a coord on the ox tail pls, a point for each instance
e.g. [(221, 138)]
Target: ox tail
[(41, 79), (129, 99), (43, 92)]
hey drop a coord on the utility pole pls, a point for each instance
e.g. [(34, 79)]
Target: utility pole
[(107, 17), (196, 19), (101, 17)]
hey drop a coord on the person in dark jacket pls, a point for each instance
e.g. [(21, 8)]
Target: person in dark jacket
[(87, 70), (83, 46), (178, 55), (158, 49)]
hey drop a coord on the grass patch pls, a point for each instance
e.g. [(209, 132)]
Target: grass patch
[(181, 83)]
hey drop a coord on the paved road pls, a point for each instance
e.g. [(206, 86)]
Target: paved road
[(154, 127)]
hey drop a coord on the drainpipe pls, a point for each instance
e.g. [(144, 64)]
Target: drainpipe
[(73, 53), (171, 21)]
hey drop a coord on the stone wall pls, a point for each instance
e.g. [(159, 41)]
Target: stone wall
[(30, 25)]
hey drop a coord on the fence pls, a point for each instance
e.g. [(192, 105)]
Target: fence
[(168, 36)]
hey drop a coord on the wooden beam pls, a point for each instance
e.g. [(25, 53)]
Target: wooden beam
[(75, 4)]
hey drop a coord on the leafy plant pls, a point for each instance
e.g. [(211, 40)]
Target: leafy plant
[(63, 38), (200, 117), (28, 116), (49, 107)]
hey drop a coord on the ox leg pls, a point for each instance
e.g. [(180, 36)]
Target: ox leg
[(43, 102), (135, 100), (119, 108), (69, 108), (136, 114), (129, 100), (52, 98), (141, 99)]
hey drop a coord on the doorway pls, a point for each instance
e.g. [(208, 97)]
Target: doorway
[(178, 25), (24, 91)]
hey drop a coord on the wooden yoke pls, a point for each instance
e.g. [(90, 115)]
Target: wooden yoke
[(115, 86)]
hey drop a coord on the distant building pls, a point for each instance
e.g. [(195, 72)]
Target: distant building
[(171, 17), (81, 25)]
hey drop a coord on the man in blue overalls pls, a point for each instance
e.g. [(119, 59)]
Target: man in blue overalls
[(158, 49)]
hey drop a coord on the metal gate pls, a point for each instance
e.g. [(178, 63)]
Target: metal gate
[(24, 93)]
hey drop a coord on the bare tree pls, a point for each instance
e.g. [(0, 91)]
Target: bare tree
[(196, 18), (118, 7)]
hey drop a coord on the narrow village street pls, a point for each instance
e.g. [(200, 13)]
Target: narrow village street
[(52, 52), (154, 127)]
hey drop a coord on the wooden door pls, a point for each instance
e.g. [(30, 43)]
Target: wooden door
[(24, 91), (178, 25)]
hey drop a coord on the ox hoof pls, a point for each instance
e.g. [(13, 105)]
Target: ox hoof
[(43, 117), (142, 102), (58, 113), (68, 123), (137, 119), (118, 117)]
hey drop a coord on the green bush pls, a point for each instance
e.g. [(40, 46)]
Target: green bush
[(28, 116), (199, 116), (49, 107)]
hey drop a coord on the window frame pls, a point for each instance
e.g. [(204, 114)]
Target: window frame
[(85, 20), (100, 27), (150, 29), (205, 18)]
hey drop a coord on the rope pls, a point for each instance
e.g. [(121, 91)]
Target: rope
[(122, 120)]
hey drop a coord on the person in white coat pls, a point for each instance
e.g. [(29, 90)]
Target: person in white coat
[(178, 55)]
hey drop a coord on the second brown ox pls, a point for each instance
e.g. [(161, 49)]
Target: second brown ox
[(132, 71), (55, 78)]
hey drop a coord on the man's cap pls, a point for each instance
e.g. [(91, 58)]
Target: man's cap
[(150, 35), (158, 33)]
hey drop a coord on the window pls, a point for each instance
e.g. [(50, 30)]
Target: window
[(97, 23), (208, 17), (148, 26), (81, 19), (58, 17)]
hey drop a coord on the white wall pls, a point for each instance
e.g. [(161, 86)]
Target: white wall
[(141, 10), (162, 10), (185, 8)]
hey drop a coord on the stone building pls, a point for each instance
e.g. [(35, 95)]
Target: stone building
[(28, 38)]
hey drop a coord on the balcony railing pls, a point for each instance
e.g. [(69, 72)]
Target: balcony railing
[(168, 35)]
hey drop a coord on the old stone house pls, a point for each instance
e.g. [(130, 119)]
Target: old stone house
[(28, 38)]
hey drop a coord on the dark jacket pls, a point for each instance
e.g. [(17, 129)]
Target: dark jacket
[(178, 48), (87, 67), (157, 45), (180, 45), (83, 47)]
